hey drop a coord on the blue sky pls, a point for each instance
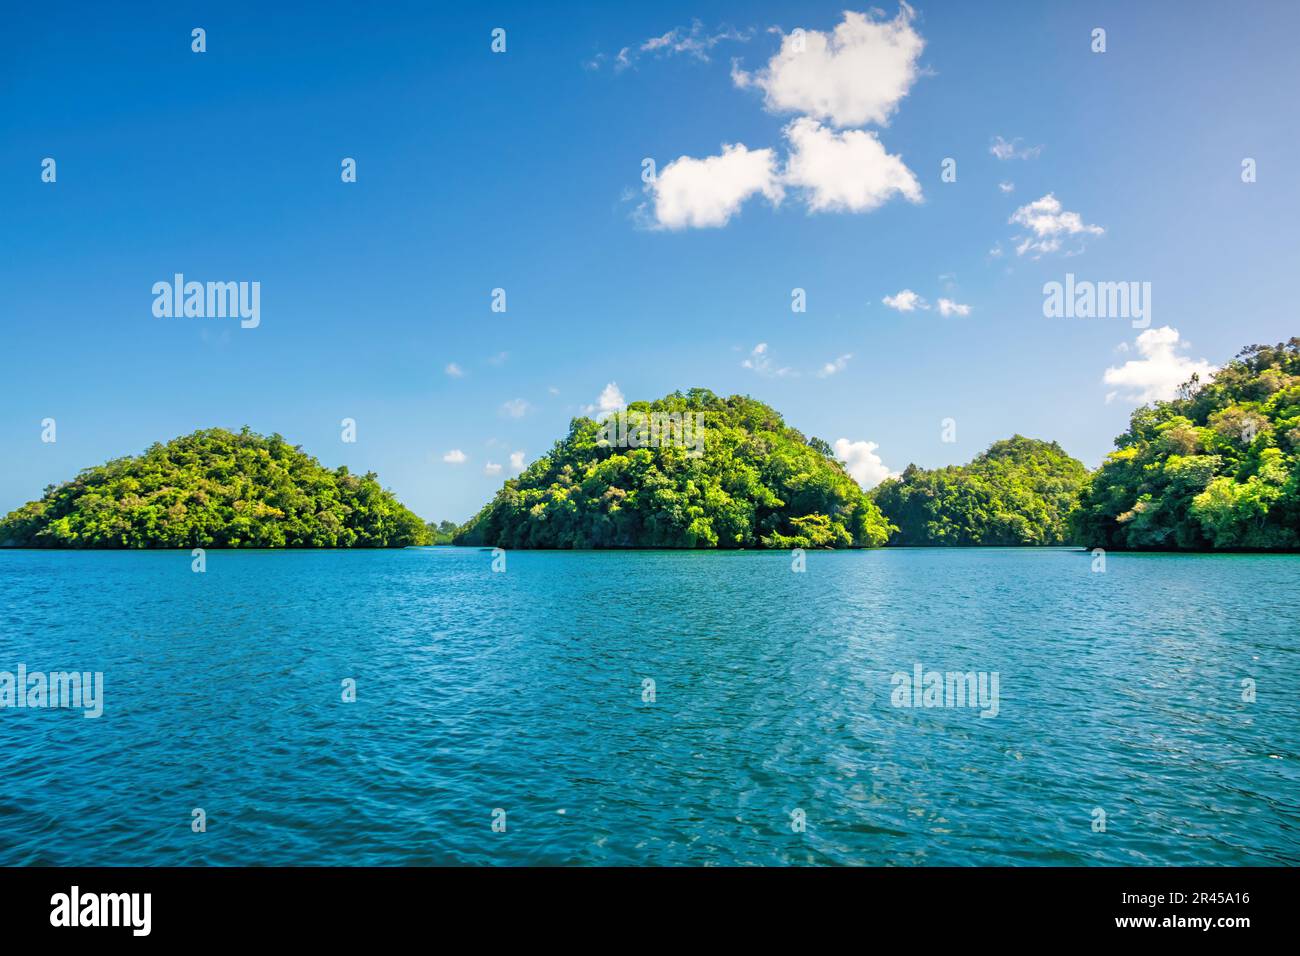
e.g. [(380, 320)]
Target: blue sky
[(522, 171)]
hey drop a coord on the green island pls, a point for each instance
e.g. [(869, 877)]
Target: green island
[(215, 489), (1216, 468), (753, 482), (1019, 492)]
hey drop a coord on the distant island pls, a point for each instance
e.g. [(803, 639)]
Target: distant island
[(215, 489), (1019, 492), (689, 470), (1216, 468)]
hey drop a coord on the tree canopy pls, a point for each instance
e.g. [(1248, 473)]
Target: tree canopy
[(1217, 467), (1019, 492), (755, 483), (215, 489)]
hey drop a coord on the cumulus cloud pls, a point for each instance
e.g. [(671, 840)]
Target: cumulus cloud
[(905, 301), (844, 172), (760, 362), (455, 457), (707, 192), (1003, 149), (830, 368), (609, 401), (454, 370), (517, 461), (947, 308), (1007, 187), (1160, 370), (854, 75), (516, 408), (491, 468), (1049, 224), (862, 462)]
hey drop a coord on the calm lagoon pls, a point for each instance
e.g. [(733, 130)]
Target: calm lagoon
[(773, 692)]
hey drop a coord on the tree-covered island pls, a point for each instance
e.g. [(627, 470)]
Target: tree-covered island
[(1216, 468), (752, 482), (1019, 492), (215, 489)]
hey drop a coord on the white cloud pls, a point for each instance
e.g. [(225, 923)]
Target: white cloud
[(610, 400), (499, 358), (1003, 149), (1007, 187), (707, 192), (491, 468), (517, 461), (947, 307), (1049, 223), (761, 362), (830, 368), (1158, 373), (455, 457), (695, 42), (905, 301), (516, 408), (854, 75), (454, 370), (844, 172), (862, 462)]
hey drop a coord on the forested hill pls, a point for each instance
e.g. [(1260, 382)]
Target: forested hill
[(216, 489), (746, 480), (1019, 492), (1217, 467)]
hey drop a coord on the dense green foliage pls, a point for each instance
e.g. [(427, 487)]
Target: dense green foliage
[(440, 532), (215, 489), (1019, 492), (757, 483), (1217, 467)]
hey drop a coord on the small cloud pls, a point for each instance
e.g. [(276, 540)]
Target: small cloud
[(499, 358), (1007, 187), (847, 171), (947, 308), (1050, 223), (609, 401), (1161, 369), (760, 362), (455, 457), (516, 408), (905, 301), (706, 193), (553, 390), (491, 468), (1004, 150), (694, 42), (517, 461), (454, 370), (830, 368), (854, 75), (862, 463)]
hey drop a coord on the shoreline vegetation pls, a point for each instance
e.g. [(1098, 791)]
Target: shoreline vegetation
[(1216, 469)]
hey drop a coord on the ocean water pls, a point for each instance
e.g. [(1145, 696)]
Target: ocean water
[(772, 735)]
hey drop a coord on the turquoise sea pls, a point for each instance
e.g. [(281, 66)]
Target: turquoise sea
[(769, 736)]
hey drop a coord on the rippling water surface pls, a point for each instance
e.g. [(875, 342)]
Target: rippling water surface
[(772, 693)]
